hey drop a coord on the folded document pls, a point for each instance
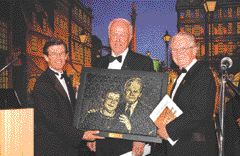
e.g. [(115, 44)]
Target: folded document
[(165, 112)]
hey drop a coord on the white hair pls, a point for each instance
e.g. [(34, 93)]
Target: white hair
[(121, 20), (190, 37)]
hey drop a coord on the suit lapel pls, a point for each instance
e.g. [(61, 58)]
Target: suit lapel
[(135, 111), (70, 91), (58, 86), (127, 61), (186, 79), (105, 62), (174, 85)]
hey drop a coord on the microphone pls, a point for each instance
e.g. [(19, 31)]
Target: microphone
[(226, 63)]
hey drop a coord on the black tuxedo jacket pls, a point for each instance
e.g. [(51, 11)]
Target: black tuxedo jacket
[(194, 129), (133, 61), (54, 131)]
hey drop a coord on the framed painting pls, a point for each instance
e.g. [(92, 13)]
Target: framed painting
[(118, 103)]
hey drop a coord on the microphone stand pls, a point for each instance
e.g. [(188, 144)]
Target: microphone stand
[(10, 63), (222, 111), (224, 80)]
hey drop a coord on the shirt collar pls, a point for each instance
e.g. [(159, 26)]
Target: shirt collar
[(191, 64), (132, 106), (58, 73)]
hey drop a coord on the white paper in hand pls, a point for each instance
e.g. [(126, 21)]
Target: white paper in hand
[(165, 112)]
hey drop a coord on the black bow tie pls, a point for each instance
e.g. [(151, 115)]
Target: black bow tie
[(183, 70), (112, 58), (63, 75)]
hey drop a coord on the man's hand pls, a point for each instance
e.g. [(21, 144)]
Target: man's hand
[(170, 115), (92, 146), (91, 135), (166, 116), (238, 122), (138, 148), (162, 132), (124, 119)]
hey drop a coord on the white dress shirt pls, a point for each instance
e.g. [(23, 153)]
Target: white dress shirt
[(116, 64), (62, 81), (181, 77)]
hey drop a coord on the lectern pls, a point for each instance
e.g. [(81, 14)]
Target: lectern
[(16, 132)]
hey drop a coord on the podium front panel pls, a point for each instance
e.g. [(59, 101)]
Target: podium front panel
[(16, 132)]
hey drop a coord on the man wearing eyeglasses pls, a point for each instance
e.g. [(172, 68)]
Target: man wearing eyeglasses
[(194, 93), (54, 103)]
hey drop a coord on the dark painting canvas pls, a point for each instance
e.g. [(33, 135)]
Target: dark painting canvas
[(119, 102)]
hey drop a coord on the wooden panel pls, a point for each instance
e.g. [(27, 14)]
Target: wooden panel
[(16, 132)]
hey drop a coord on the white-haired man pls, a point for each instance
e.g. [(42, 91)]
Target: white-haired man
[(122, 58), (194, 92)]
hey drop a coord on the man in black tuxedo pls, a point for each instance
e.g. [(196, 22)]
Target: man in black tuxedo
[(122, 58), (54, 103), (194, 93)]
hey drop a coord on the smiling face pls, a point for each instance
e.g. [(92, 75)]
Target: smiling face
[(111, 101), (133, 92), (56, 57), (184, 50), (119, 36)]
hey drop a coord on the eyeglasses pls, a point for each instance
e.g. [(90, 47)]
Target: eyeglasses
[(57, 54), (118, 35), (182, 49)]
